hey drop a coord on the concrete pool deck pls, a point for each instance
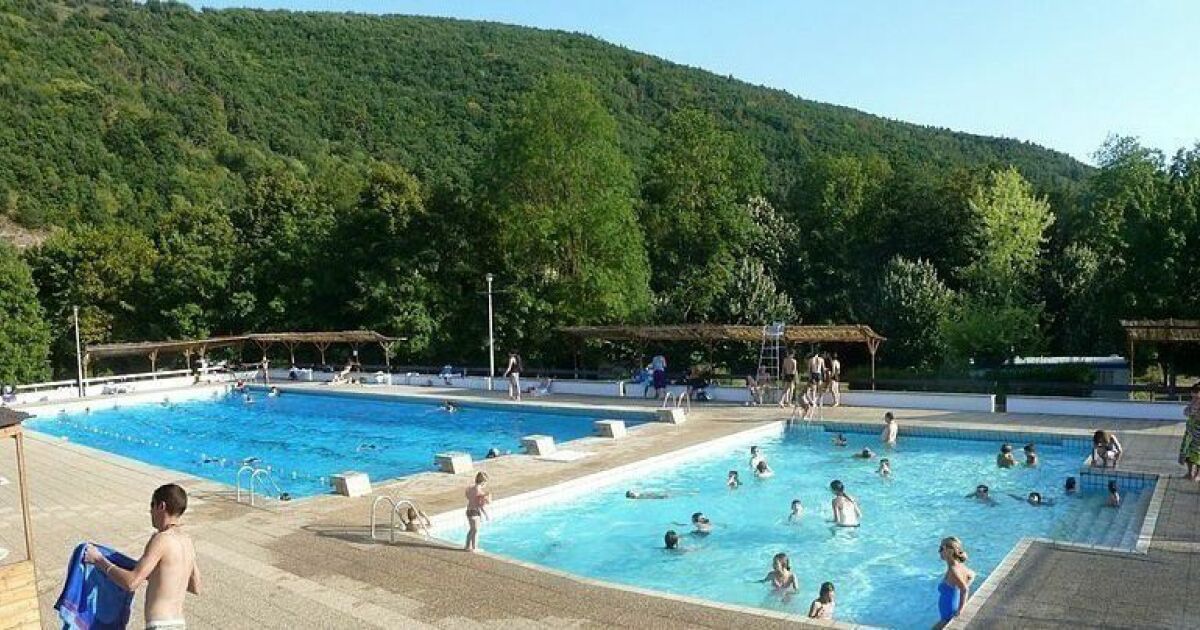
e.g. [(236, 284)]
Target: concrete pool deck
[(311, 563)]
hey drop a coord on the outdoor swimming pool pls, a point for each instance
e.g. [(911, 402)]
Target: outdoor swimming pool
[(304, 437), (885, 572)]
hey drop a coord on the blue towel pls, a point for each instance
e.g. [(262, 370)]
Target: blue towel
[(91, 601)]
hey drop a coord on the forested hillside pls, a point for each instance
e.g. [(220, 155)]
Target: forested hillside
[(225, 171)]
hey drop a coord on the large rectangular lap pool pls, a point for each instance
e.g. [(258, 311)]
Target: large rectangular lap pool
[(885, 572), (303, 438)]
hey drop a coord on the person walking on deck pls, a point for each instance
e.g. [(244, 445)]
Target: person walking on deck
[(1189, 448), (513, 374), (167, 566)]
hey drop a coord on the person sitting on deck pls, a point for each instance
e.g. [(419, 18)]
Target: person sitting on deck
[(1106, 450), (344, 375)]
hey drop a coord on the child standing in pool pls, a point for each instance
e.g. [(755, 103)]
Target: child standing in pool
[(781, 576), (955, 587), (733, 481), (822, 607), (1005, 459), (477, 499), (890, 430), (846, 512), (797, 511)]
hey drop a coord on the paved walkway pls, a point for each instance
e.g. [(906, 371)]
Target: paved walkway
[(311, 563)]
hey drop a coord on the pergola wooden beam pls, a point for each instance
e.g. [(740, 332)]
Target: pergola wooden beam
[(712, 333), (322, 340), (709, 333), (1165, 331)]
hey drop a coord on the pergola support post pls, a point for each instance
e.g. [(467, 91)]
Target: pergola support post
[(872, 347), (154, 365)]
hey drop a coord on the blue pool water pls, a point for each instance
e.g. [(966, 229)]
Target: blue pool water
[(885, 572), (304, 438)]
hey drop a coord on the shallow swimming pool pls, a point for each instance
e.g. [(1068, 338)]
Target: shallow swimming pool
[(885, 572), (303, 437)]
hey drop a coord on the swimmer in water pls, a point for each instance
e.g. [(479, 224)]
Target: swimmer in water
[(839, 440), (671, 541), (1114, 497), (248, 399), (1071, 486), (449, 407), (274, 393), (983, 495), (781, 576), (701, 526), (866, 453), (1005, 459), (846, 512), (492, 453), (823, 606), (366, 446), (890, 429), (1031, 457), (733, 481), (1035, 499), (797, 511), (635, 494), (755, 457), (885, 468), (763, 471)]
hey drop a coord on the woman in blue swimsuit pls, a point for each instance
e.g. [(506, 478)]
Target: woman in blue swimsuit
[(955, 587)]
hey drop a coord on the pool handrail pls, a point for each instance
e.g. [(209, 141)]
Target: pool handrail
[(262, 476), (396, 505), (680, 401)]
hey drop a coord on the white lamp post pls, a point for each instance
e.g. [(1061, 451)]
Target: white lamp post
[(491, 334)]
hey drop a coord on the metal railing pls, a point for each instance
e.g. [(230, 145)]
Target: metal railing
[(397, 505), (261, 477), (682, 401)]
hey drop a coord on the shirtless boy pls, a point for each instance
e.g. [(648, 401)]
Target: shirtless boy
[(168, 565)]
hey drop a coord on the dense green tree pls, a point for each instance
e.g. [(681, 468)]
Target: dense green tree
[(835, 206), (108, 273), (561, 194), (988, 334), (911, 306), (24, 335), (751, 297), (1011, 223), (196, 247), (392, 266)]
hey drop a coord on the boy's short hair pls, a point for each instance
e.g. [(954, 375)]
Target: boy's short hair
[(172, 496)]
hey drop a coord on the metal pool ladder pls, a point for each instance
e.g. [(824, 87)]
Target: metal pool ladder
[(397, 505), (682, 401), (258, 478)]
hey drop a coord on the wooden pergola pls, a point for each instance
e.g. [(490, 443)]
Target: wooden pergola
[(200, 347), (1159, 331), (713, 333), (18, 586)]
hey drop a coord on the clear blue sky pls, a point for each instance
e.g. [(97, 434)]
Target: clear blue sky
[(1062, 73)]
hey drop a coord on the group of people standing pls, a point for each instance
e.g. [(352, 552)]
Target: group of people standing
[(824, 375)]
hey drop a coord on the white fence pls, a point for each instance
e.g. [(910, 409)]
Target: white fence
[(57, 391), (1097, 407), (920, 400)]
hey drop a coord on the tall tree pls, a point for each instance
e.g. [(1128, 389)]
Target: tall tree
[(1011, 222), (561, 193), (196, 246), (24, 335), (108, 273), (697, 224), (912, 303)]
